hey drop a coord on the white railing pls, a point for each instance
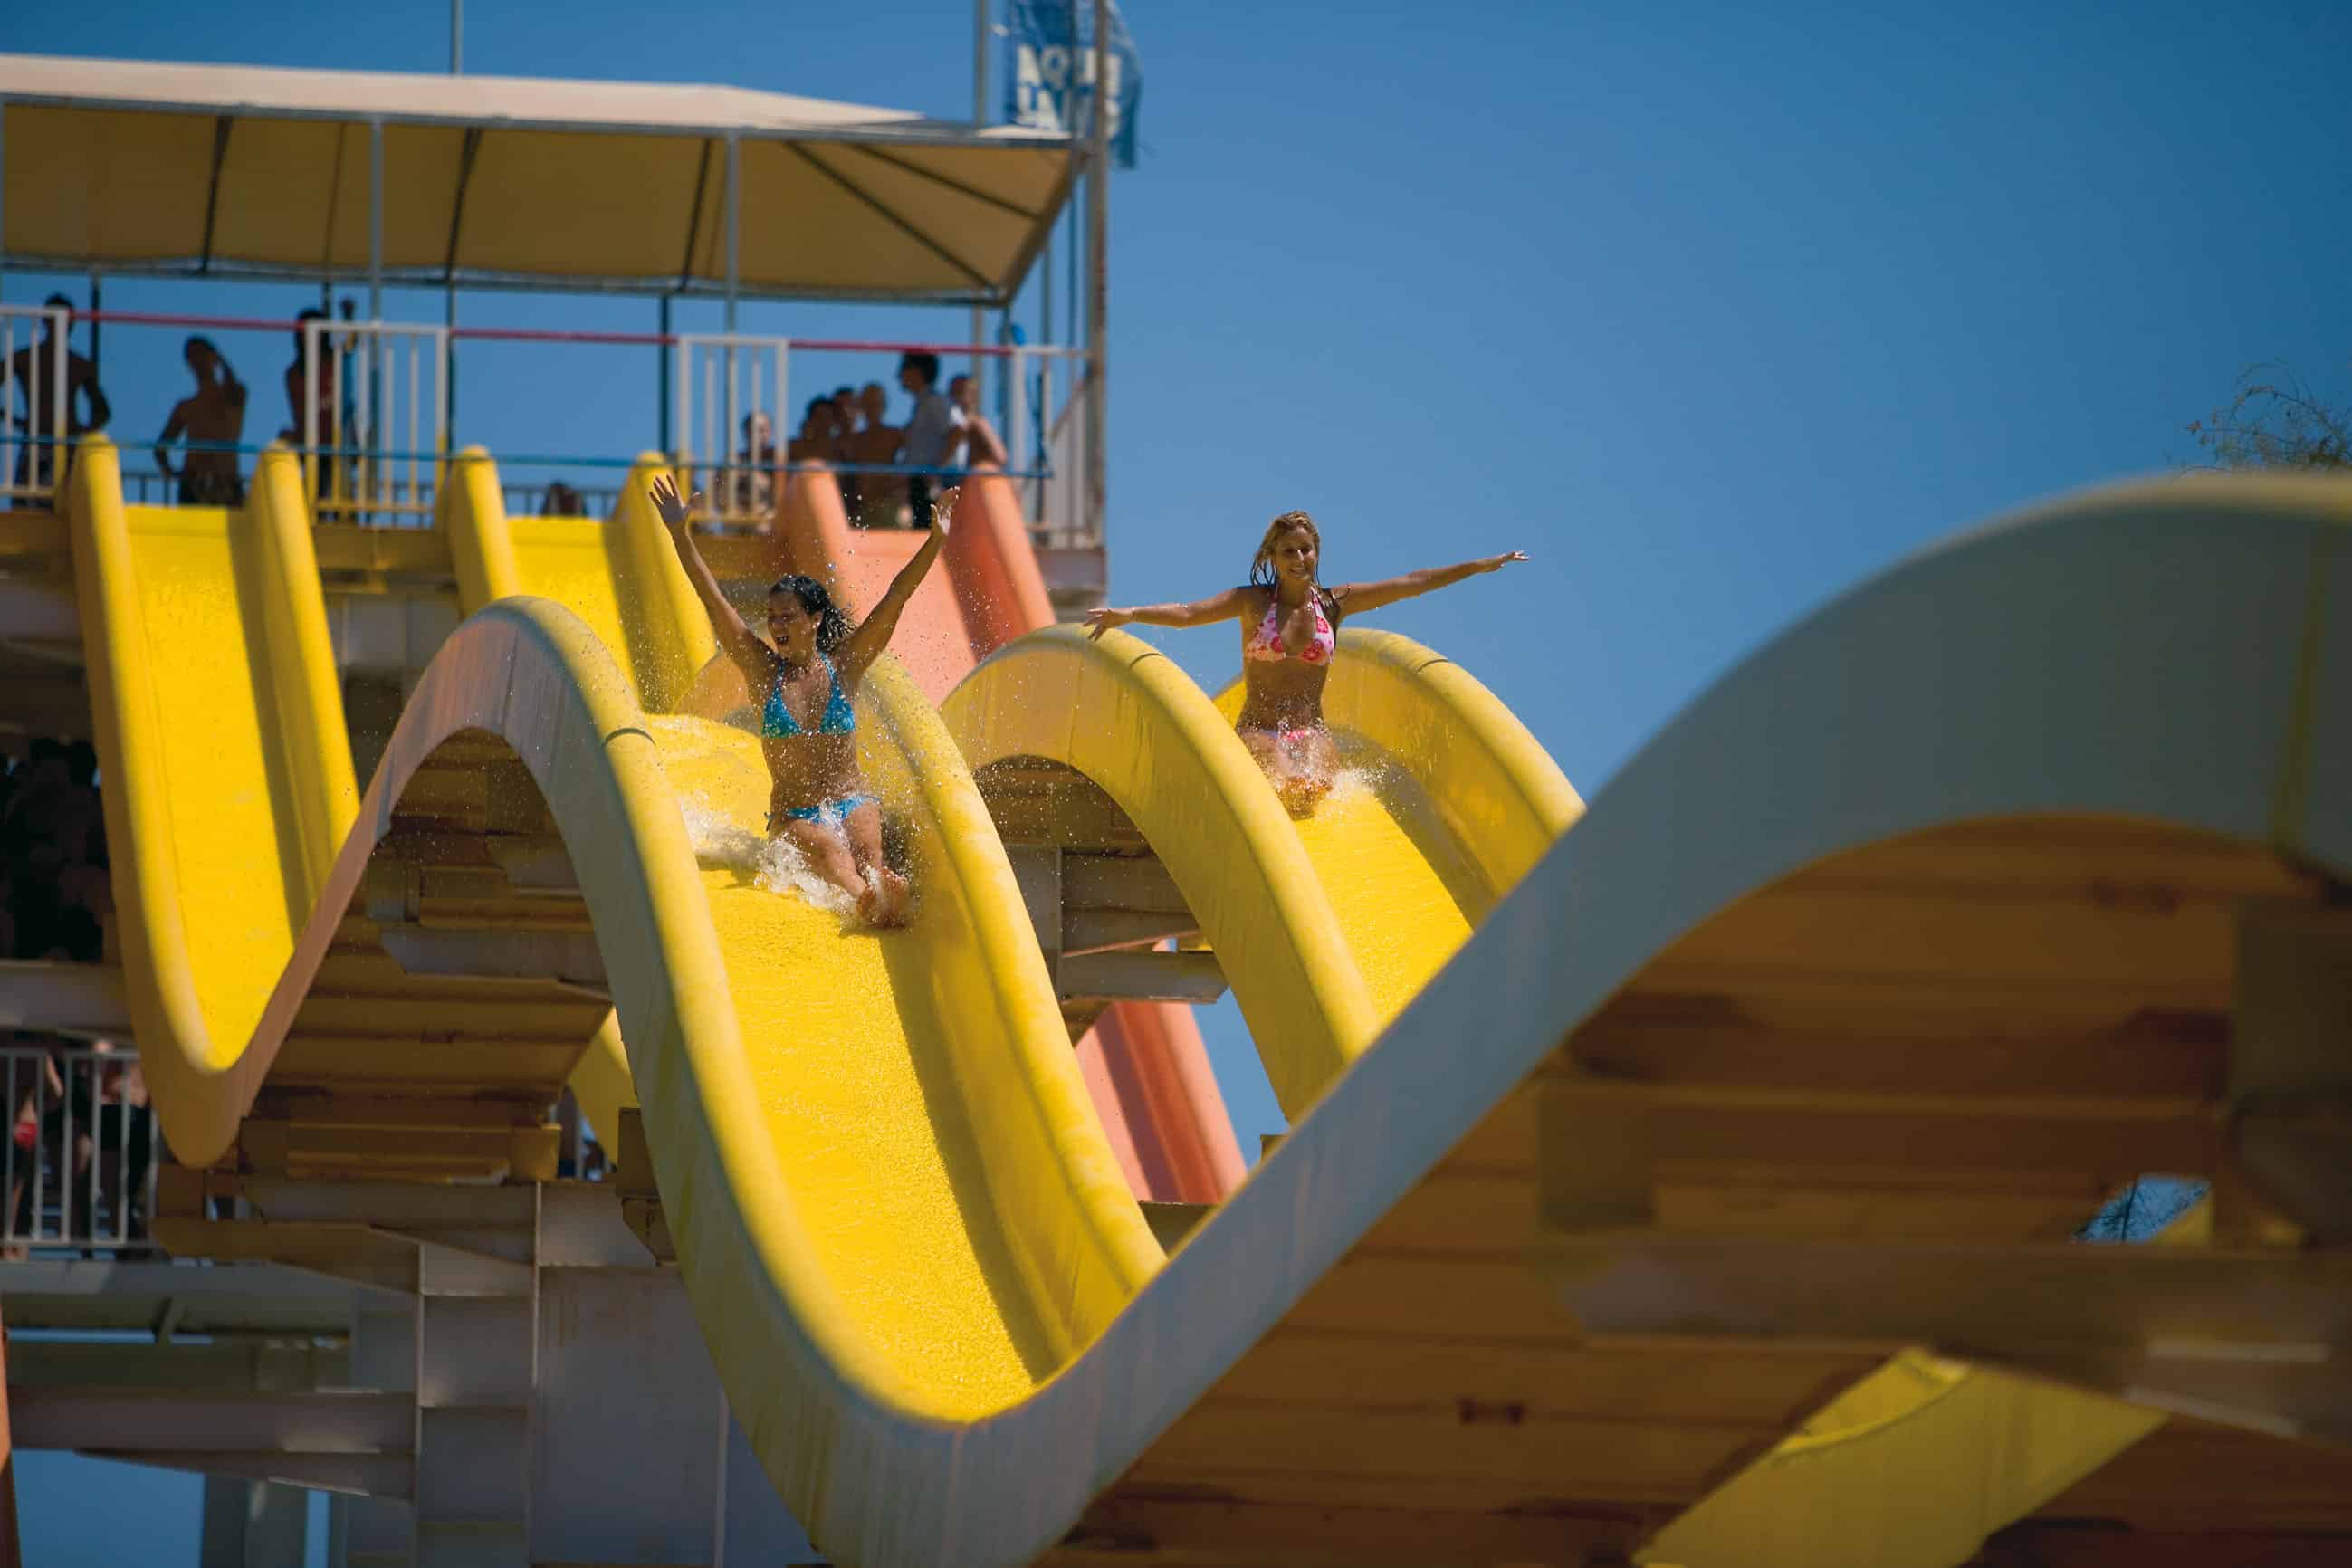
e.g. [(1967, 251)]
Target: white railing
[(725, 387), (33, 450), (369, 452), (81, 1160), (1061, 512), (1024, 391)]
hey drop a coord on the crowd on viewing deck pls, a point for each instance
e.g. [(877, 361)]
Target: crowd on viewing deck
[(72, 1110), (849, 430)]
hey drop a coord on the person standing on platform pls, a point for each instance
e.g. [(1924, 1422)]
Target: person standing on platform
[(34, 369), (932, 431), (212, 422)]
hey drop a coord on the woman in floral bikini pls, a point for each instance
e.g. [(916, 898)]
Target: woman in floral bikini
[(1290, 628)]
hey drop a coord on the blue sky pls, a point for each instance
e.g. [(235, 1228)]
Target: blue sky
[(1712, 309)]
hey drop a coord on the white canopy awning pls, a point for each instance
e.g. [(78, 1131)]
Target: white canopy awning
[(248, 170)]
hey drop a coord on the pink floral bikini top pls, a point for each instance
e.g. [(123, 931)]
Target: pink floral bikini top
[(1267, 643)]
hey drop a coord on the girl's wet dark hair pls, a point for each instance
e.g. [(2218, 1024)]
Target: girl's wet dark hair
[(832, 628)]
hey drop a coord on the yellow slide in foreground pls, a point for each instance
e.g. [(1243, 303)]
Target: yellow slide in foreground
[(936, 1311)]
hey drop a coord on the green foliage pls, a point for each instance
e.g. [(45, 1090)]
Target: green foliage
[(2274, 423)]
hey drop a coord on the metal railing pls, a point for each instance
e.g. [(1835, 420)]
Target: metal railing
[(376, 438), (729, 384), (379, 459), (81, 1157), (560, 498), (32, 450)]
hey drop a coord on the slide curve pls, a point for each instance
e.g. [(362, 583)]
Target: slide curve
[(1144, 1065), (938, 1315)]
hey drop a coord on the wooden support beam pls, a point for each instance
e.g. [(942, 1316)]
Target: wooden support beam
[(2291, 1071), (1121, 882), (1885, 1047), (59, 998), (570, 958), (1128, 1529), (633, 1178), (1764, 1127), (326, 1150), (227, 1366), (1127, 976), (387, 1475), (1106, 930), (1171, 1222), (2200, 1329), (2097, 1544), (128, 1422)]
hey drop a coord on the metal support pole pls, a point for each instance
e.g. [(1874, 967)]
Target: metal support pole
[(1045, 294), (725, 447), (96, 305), (1099, 283), (1012, 377), (371, 405), (1043, 434), (979, 119), (734, 224), (449, 305), (375, 220), (1071, 127), (3, 196), (661, 376)]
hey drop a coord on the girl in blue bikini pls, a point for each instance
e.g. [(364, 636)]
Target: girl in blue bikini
[(808, 723)]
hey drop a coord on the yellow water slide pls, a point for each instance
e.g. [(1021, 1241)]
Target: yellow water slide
[(936, 1310), (220, 729), (1324, 928)]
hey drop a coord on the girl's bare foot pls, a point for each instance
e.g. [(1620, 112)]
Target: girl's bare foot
[(896, 895), (870, 905)]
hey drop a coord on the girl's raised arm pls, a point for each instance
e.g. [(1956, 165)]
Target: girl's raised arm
[(1224, 607), (864, 645), (1354, 597), (735, 640)]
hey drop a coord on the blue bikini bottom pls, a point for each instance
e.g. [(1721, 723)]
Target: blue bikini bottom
[(824, 813)]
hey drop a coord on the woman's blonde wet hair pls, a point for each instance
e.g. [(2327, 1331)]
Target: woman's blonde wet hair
[(1261, 564)]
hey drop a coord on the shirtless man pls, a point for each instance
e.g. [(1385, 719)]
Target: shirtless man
[(880, 495), (33, 370), (211, 420)]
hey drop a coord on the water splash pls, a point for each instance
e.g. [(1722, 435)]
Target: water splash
[(776, 864)]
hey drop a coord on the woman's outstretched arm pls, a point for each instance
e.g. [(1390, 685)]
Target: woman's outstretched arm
[(864, 645), (735, 639), (1354, 597), (1224, 607)]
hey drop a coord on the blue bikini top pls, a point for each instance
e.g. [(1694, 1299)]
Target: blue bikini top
[(840, 719)]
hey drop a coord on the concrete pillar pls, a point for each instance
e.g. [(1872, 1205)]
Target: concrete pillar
[(253, 1524)]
